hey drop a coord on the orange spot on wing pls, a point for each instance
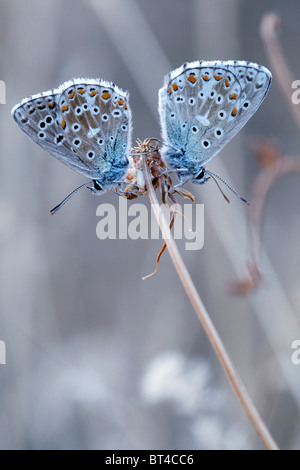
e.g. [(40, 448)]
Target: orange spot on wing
[(170, 90), (218, 77), (227, 82), (121, 102), (93, 93), (233, 96), (192, 78), (81, 92), (41, 106), (106, 95), (64, 108), (234, 111), (205, 77), (175, 87), (71, 95), (125, 107), (63, 123), (51, 105)]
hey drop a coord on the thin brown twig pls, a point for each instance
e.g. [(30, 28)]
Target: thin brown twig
[(207, 324), (274, 164), (261, 188), (268, 31), (268, 176)]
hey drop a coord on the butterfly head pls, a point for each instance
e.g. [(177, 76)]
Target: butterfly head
[(96, 187), (194, 175), (199, 176)]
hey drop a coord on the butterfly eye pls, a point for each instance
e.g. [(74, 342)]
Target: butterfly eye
[(200, 176), (97, 186)]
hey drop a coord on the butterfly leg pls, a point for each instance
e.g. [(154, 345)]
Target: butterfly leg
[(181, 182), (175, 170), (121, 191)]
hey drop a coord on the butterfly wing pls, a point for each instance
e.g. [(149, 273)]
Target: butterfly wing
[(39, 118), (96, 120), (203, 105), (47, 121)]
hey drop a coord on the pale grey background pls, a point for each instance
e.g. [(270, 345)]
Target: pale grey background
[(96, 357)]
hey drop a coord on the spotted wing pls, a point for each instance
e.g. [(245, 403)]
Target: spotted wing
[(93, 141), (39, 118), (96, 121), (203, 105)]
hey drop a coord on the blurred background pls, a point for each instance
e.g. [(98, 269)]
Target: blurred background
[(96, 357)]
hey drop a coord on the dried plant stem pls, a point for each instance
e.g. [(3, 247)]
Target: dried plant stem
[(268, 31), (263, 184), (207, 324), (274, 164)]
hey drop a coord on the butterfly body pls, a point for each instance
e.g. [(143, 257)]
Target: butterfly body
[(202, 106)]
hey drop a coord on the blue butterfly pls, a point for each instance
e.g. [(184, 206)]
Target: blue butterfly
[(85, 124), (202, 106)]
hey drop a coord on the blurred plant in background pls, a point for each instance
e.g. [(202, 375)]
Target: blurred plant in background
[(83, 332), (273, 164)]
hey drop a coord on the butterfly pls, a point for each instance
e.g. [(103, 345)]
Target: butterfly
[(202, 106), (84, 123)]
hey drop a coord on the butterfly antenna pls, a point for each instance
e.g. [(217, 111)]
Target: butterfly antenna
[(214, 176), (62, 203)]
